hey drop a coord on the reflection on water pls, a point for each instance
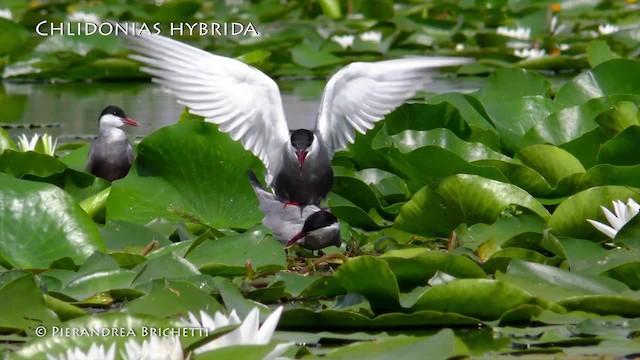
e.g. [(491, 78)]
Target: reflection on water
[(71, 110)]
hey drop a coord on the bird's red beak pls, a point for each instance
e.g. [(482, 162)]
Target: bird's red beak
[(301, 154), (131, 122), (295, 238)]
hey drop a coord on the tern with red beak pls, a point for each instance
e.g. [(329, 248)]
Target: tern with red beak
[(311, 227), (111, 154), (246, 103)]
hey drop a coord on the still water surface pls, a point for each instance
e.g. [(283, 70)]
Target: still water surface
[(70, 110)]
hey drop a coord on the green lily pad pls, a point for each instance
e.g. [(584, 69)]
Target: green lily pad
[(479, 298), (379, 286), (25, 311), (622, 149), (172, 297), (443, 345), (570, 217), (416, 270), (228, 256), (41, 223), (188, 171), (618, 76), (437, 210)]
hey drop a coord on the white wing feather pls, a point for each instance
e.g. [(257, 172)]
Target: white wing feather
[(242, 100), (361, 94)]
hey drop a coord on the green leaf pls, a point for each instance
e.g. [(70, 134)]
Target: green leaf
[(41, 223), (622, 149), (121, 235), (554, 284), (574, 122), (13, 37), (375, 9), (598, 51), (606, 174), (309, 57), (331, 8), (44, 168), (438, 209), (228, 256), (169, 266), (88, 285), (618, 76), (379, 286), (6, 142), (570, 217), (479, 298), (173, 297), (23, 306), (506, 227), (189, 171), (443, 345), (551, 162), (416, 270)]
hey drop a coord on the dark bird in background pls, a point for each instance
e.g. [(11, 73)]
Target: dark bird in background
[(310, 227), (246, 103), (111, 154)]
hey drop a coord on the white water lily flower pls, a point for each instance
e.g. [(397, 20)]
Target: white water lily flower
[(344, 41), (516, 33), (529, 53), (48, 143), (606, 29), (6, 13), (249, 333), (623, 213), (95, 352), (155, 348), (83, 17), (373, 36)]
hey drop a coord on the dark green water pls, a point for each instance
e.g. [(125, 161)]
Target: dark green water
[(70, 110)]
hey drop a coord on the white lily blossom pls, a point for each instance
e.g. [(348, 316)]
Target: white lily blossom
[(6, 13), (373, 36), (344, 41), (516, 33), (95, 352), (248, 333), (155, 348), (606, 29), (49, 144), (529, 53), (83, 17), (623, 213)]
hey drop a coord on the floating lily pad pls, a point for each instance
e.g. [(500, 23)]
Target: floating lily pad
[(41, 223), (189, 171)]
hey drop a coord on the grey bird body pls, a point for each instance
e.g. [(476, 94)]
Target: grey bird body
[(307, 226), (303, 185), (111, 154)]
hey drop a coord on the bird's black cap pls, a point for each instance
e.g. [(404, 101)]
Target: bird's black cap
[(113, 110), (301, 139), (318, 220)]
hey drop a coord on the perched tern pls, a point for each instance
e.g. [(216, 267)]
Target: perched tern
[(246, 103), (111, 154), (311, 227)]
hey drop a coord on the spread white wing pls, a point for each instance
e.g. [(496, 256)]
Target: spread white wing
[(362, 93), (284, 221), (242, 100)]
